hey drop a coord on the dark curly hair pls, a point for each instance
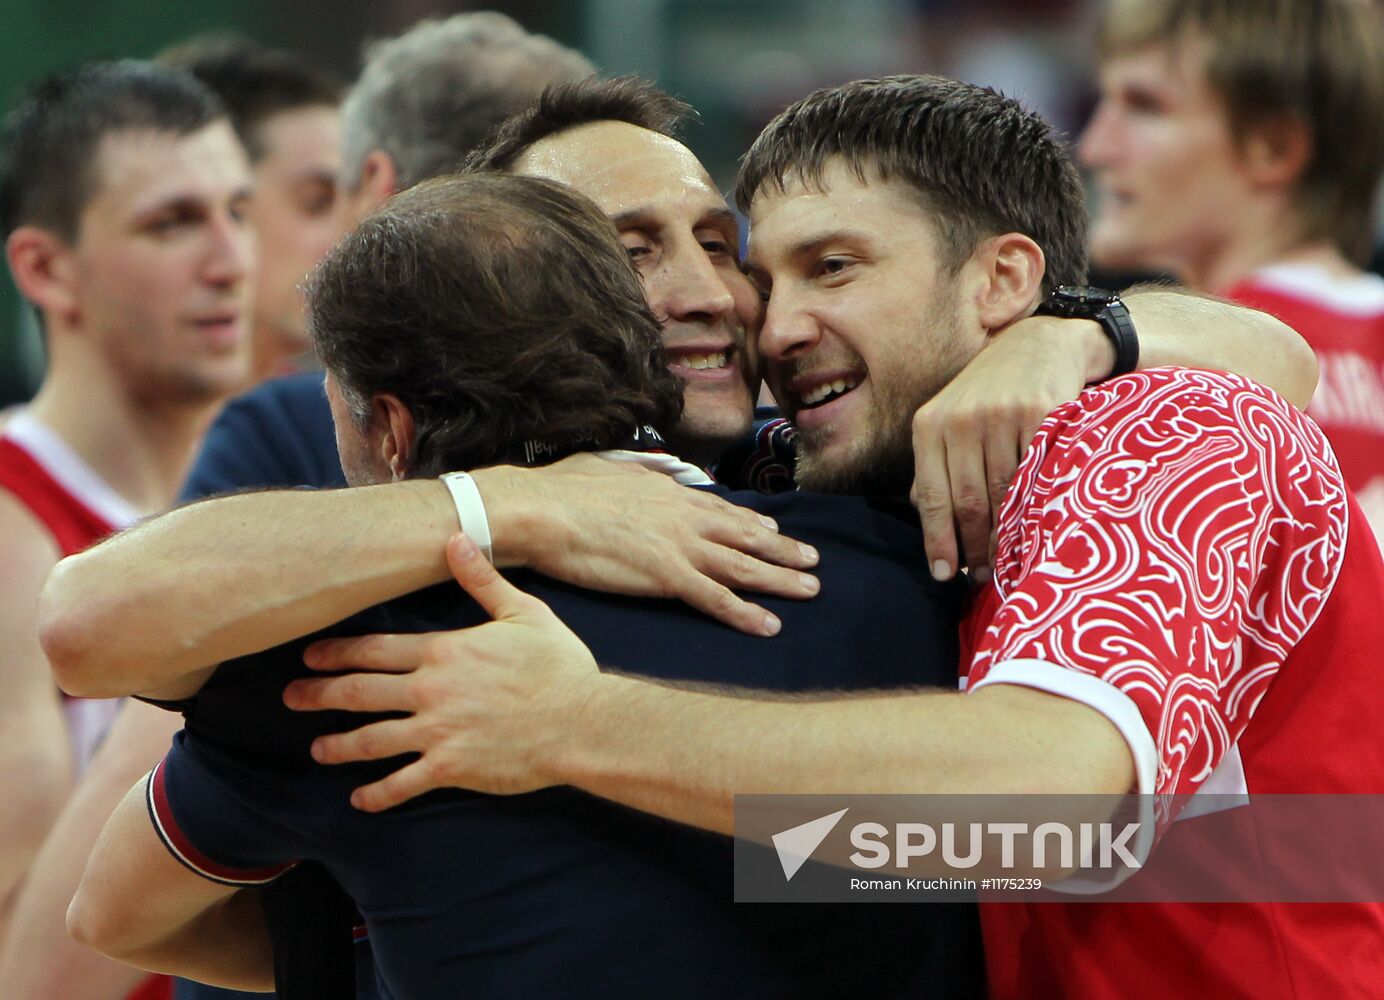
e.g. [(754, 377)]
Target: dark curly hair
[(498, 309)]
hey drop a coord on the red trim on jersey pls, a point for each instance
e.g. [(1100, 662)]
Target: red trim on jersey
[(73, 525), (178, 844)]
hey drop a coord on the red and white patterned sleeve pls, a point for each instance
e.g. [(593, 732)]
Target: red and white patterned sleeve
[(1170, 536)]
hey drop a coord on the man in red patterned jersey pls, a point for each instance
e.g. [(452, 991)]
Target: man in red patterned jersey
[(122, 196), (1239, 146), (1183, 585)]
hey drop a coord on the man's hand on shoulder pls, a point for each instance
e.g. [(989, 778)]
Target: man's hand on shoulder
[(619, 528), (969, 439), (488, 706)]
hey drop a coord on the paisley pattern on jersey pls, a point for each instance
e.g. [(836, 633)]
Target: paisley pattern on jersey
[(1175, 533)]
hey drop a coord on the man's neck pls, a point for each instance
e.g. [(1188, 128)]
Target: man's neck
[(141, 448), (274, 354), (1265, 234)]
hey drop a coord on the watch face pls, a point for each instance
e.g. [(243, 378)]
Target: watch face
[(1085, 297), (1081, 301)]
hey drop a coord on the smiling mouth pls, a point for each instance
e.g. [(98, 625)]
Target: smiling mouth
[(822, 394), (699, 363), (702, 362)]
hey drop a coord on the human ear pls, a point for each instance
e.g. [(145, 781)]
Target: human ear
[(379, 176), (1009, 274), (1276, 153), (379, 181), (396, 438), (44, 270)]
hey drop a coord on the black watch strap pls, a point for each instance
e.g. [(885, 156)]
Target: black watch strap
[(1107, 309)]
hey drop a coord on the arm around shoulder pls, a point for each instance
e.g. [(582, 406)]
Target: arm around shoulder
[(1191, 330), (685, 755), (234, 575)]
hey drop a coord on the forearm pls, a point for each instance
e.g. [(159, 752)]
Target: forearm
[(235, 575), (1190, 330), (685, 755), (37, 765)]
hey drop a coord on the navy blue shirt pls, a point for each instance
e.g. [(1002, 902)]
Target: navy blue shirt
[(277, 434), (559, 893)]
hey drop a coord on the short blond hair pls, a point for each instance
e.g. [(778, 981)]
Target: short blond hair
[(1318, 61)]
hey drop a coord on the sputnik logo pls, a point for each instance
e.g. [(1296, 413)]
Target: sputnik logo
[(796, 844)]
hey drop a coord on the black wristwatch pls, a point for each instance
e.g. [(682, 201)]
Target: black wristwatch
[(1105, 307)]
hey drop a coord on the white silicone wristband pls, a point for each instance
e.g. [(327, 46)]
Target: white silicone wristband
[(470, 510)]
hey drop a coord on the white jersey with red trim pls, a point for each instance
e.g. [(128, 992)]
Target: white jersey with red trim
[(1179, 552), (78, 508), (1343, 319)]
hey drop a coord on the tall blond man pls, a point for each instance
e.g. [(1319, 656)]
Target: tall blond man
[(1238, 144)]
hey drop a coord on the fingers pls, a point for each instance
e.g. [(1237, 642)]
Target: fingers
[(350, 693), (500, 598), (387, 653), (970, 496), (404, 784), (752, 533), (373, 742), (932, 495), (734, 569), (718, 601), (1002, 453), (639, 487)]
